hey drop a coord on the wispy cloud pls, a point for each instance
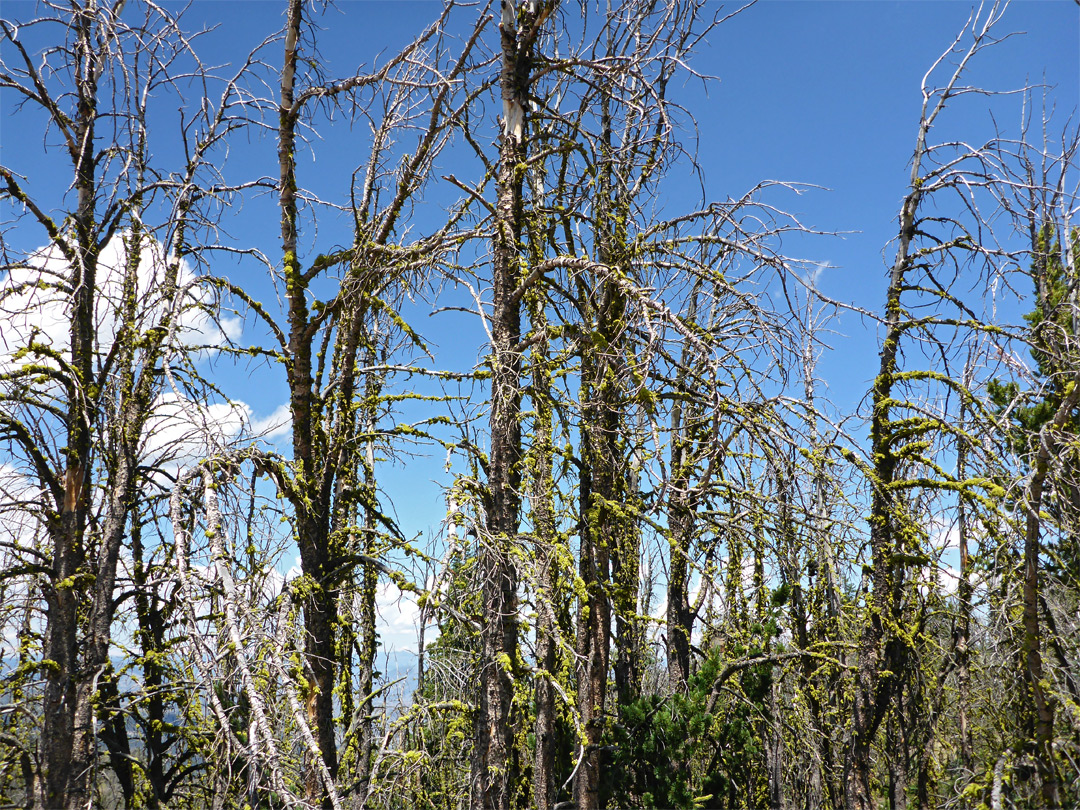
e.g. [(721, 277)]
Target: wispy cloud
[(273, 426)]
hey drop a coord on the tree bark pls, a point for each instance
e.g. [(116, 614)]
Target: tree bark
[(66, 721), (493, 762), (310, 502), (549, 549)]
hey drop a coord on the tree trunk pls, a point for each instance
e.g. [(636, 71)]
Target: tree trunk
[(681, 509), (548, 556), (876, 670), (67, 747), (896, 759), (369, 640), (1039, 696), (312, 515), (679, 618), (594, 630), (493, 758)]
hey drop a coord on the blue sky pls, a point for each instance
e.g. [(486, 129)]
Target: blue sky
[(825, 93), (828, 93)]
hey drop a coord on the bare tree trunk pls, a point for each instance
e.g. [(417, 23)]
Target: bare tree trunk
[(1032, 643), (549, 588), (881, 658), (875, 673), (679, 617), (603, 547), (630, 628), (1048, 441), (774, 751), (312, 519), (369, 641), (81, 602), (550, 576), (962, 632), (66, 723), (896, 759), (681, 508), (594, 631), (597, 533), (493, 774)]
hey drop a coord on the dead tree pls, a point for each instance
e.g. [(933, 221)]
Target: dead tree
[(326, 454), (932, 251), (117, 263)]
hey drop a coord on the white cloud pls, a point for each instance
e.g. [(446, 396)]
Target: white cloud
[(294, 571), (398, 619), (180, 431), (397, 614), (275, 425), (20, 531), (36, 304), (17, 494), (814, 270), (36, 307), (948, 579), (35, 311), (944, 538)]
